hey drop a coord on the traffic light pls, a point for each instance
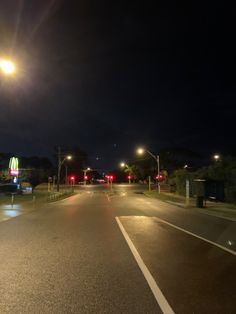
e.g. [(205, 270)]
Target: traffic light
[(72, 178), (109, 178), (160, 177)]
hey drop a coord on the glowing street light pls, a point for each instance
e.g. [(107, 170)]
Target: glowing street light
[(7, 66), (123, 165), (69, 157), (60, 163), (141, 151), (216, 157), (85, 174)]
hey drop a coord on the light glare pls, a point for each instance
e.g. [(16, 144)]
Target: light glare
[(140, 151), (216, 157), (7, 66)]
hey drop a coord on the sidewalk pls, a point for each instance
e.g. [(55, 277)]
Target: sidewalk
[(12, 206), (217, 209), (20, 204)]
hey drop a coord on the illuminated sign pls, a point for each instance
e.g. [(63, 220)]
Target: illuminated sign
[(14, 166)]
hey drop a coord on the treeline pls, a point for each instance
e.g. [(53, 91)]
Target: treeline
[(36, 170), (221, 174), (32, 169)]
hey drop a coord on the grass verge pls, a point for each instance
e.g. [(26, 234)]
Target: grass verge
[(219, 209)]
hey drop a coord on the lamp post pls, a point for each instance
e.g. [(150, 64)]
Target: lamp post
[(141, 151), (60, 163), (123, 165), (66, 174), (85, 174)]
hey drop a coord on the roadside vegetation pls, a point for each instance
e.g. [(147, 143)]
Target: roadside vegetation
[(220, 180), (40, 195)]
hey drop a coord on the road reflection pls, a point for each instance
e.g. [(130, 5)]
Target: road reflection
[(11, 210)]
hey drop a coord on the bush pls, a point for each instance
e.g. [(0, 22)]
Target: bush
[(230, 194)]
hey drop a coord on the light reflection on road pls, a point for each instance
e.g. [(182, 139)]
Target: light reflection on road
[(9, 211), (11, 207)]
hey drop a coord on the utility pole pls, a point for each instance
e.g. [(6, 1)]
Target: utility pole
[(158, 173), (58, 167), (187, 193), (60, 163), (66, 180), (157, 158)]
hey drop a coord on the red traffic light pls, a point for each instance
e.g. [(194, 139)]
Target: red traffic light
[(72, 178), (109, 178), (129, 177), (160, 178), (85, 177)]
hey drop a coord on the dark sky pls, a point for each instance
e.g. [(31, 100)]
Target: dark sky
[(110, 75)]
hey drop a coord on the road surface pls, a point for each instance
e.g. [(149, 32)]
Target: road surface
[(117, 252)]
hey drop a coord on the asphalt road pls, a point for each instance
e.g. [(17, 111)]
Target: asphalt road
[(81, 255)]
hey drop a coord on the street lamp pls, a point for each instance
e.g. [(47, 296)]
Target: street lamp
[(7, 66), (141, 151), (60, 163), (85, 174), (123, 165), (66, 168), (216, 157)]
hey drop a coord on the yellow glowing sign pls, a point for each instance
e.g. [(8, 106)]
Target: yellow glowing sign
[(14, 166)]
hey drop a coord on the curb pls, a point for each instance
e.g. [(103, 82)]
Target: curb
[(202, 211)]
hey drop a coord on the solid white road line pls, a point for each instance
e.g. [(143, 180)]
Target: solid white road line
[(160, 298), (196, 236)]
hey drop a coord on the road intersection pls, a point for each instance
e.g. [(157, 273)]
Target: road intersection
[(72, 256)]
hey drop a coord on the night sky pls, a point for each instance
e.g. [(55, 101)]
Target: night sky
[(108, 76)]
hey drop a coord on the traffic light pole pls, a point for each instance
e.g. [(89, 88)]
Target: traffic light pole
[(158, 173), (157, 158), (58, 168), (60, 163)]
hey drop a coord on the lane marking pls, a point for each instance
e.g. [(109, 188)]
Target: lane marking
[(195, 235), (108, 198), (159, 296)]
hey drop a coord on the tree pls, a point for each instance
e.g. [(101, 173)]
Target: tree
[(131, 170), (4, 176), (176, 158), (78, 162), (35, 169), (221, 172)]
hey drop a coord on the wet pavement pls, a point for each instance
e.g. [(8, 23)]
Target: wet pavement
[(71, 256)]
